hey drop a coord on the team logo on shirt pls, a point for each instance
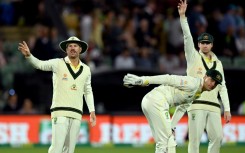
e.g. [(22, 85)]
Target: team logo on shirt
[(74, 87), (167, 115), (193, 116), (55, 120), (199, 71), (65, 77), (182, 82)]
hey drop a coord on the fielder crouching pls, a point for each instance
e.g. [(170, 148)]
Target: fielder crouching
[(173, 91)]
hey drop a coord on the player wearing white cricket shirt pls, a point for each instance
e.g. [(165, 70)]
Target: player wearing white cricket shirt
[(71, 81), (205, 112), (173, 91)]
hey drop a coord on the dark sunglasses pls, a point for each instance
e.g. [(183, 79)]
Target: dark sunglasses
[(205, 42)]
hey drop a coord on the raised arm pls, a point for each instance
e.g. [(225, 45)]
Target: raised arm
[(189, 47), (48, 65)]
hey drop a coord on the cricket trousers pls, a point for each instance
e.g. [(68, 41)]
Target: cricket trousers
[(156, 112), (200, 120), (65, 132)]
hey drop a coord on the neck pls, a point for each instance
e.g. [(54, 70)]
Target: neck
[(208, 55), (74, 61)]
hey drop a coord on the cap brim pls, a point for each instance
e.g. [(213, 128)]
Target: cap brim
[(83, 45), (218, 82), (205, 41)]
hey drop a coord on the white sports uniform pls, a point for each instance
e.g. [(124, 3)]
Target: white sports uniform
[(205, 112), (69, 86), (174, 91)]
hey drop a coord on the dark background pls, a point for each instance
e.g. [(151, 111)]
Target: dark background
[(108, 89)]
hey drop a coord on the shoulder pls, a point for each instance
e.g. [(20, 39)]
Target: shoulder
[(58, 60), (192, 82), (219, 64), (198, 55), (85, 66)]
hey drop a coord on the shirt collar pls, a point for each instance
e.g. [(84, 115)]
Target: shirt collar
[(67, 60), (214, 57)]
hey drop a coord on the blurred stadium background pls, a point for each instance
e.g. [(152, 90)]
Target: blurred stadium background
[(124, 36)]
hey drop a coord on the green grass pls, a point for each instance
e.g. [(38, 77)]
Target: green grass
[(79, 149)]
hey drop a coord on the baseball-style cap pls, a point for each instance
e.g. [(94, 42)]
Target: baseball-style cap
[(74, 39), (215, 75), (206, 37)]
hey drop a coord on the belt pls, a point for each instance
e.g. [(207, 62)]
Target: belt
[(206, 103), (66, 109)]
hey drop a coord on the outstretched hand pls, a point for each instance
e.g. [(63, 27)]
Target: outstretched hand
[(182, 6), (131, 80), (23, 47)]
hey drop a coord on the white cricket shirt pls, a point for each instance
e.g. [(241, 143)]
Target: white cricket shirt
[(69, 86)]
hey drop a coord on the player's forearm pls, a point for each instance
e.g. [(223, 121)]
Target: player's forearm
[(189, 46), (178, 114), (90, 102), (225, 98), (38, 64), (158, 79), (176, 118), (88, 94), (185, 27), (182, 16)]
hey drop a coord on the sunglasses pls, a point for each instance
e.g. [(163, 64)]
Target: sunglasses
[(205, 42)]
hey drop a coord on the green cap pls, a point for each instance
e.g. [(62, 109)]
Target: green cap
[(215, 75), (206, 37)]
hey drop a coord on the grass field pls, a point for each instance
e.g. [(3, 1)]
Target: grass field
[(203, 149)]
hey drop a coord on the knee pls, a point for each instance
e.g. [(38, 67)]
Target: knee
[(194, 145), (193, 148), (217, 138)]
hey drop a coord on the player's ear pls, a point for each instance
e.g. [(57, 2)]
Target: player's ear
[(198, 44), (80, 49), (205, 78)]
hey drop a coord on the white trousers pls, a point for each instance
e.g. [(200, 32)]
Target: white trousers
[(157, 114), (65, 132), (198, 121)]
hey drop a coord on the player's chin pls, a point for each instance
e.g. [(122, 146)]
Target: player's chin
[(209, 88)]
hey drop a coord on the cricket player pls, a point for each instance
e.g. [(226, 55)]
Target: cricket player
[(71, 81), (173, 91), (205, 112)]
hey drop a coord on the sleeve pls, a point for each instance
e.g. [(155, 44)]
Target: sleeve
[(157, 79), (88, 94), (180, 82), (225, 98), (224, 93), (49, 65), (189, 47), (178, 114)]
